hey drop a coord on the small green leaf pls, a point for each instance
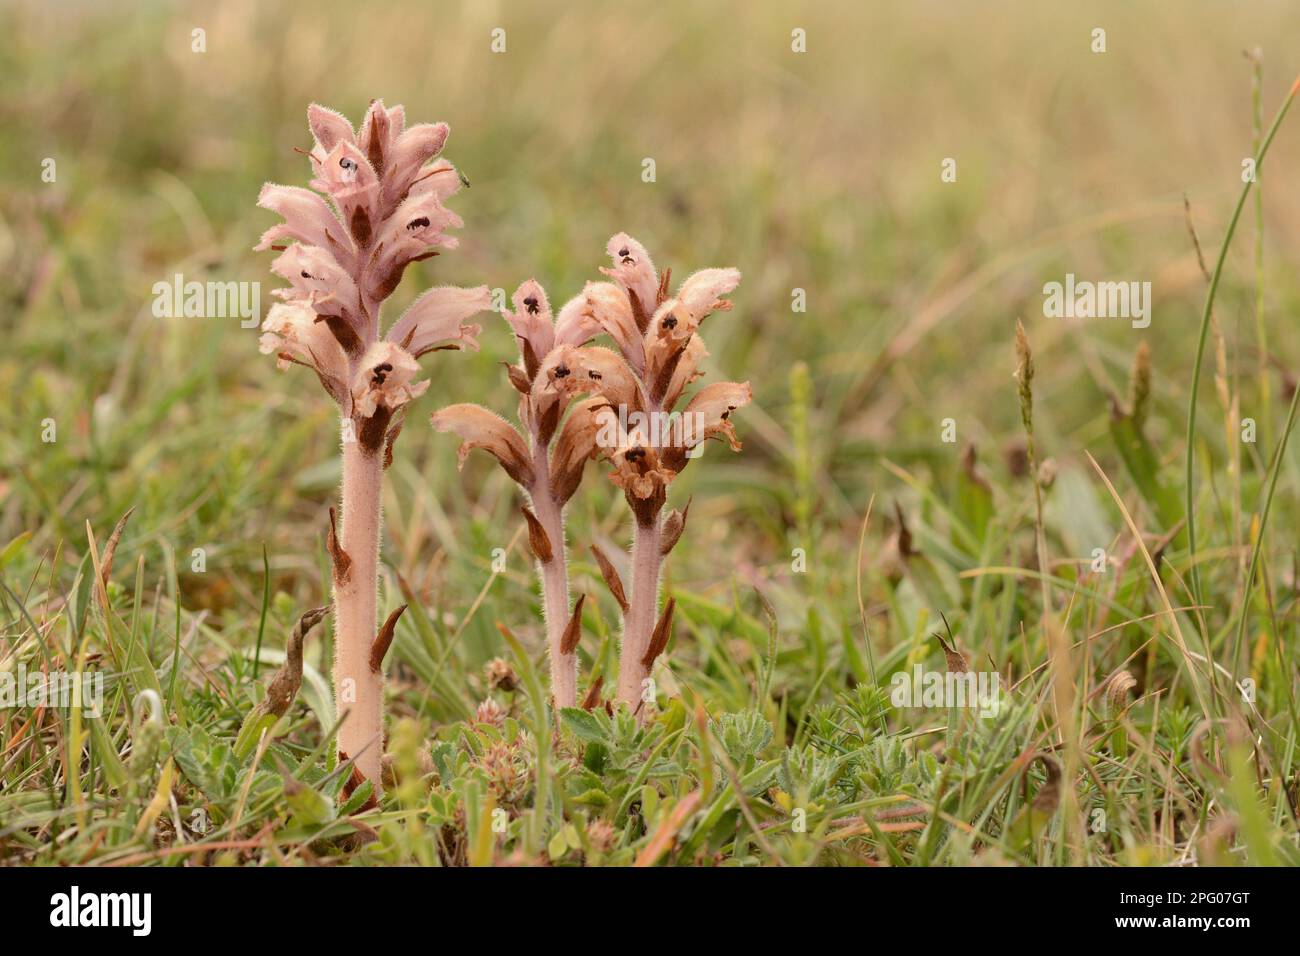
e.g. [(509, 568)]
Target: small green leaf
[(558, 846), (593, 798), (310, 807), (14, 548), (583, 725)]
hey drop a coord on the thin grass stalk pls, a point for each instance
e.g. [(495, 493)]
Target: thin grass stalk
[(1207, 311), (1058, 648), (1257, 549), (1261, 329)]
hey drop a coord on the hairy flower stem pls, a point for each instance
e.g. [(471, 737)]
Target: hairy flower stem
[(639, 622), (554, 575), (359, 688)]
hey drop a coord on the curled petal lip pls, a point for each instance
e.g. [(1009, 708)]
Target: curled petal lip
[(291, 329), (702, 291), (307, 217), (436, 316), (715, 402), (315, 276), (480, 428), (439, 179), (329, 127)]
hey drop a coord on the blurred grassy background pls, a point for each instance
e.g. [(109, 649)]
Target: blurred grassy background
[(816, 170)]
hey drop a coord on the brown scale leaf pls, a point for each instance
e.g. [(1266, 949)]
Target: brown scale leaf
[(538, 541), (343, 333), (639, 312), (674, 525), (375, 147), (284, 686), (360, 226), (531, 362), (518, 378), (339, 557), (612, 580), (662, 295), (955, 661), (383, 639), (646, 510), (549, 420), (391, 437), (374, 430), (663, 633), (665, 376), (389, 283), (593, 694), (573, 630)]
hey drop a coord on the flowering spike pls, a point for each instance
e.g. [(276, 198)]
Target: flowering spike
[(375, 206)]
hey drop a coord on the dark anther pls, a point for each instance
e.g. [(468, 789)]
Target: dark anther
[(306, 274), (635, 454), (531, 303), (418, 223), (348, 164), (561, 372), (594, 376), (381, 372), (669, 322), (623, 252)]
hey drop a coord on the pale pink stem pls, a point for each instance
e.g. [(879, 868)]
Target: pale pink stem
[(359, 690), (554, 575), (643, 604)]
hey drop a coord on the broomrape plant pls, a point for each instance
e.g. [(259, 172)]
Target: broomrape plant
[(624, 417), (385, 210), (657, 335), (546, 459)]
